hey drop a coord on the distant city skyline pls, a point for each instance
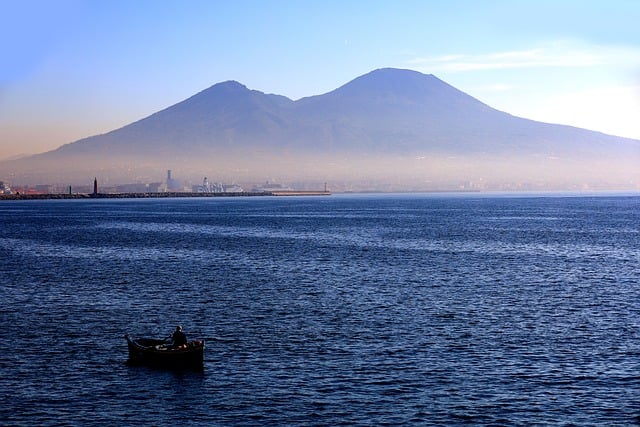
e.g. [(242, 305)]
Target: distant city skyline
[(75, 68)]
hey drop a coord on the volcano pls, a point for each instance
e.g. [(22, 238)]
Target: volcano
[(387, 126)]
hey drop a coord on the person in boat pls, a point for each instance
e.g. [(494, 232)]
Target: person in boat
[(179, 338)]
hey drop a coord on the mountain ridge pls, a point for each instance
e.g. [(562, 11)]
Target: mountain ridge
[(382, 115)]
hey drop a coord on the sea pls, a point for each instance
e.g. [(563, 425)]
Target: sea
[(345, 310)]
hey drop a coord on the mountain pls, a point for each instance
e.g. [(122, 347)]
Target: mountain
[(390, 125)]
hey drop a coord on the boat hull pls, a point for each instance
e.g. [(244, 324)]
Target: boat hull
[(153, 352)]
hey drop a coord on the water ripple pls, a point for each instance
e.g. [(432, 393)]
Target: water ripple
[(341, 311)]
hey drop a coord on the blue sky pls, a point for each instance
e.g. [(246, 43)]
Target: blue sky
[(75, 68)]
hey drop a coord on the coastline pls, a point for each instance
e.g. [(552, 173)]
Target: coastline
[(89, 196)]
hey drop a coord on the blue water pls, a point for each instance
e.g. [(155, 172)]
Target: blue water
[(342, 310)]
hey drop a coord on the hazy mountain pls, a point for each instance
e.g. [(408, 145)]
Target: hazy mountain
[(390, 125)]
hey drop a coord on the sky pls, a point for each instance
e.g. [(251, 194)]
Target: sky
[(70, 69)]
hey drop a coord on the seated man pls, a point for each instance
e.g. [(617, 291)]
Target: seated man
[(179, 338)]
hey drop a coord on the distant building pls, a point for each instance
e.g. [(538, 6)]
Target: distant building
[(233, 188), (216, 187), (4, 188), (173, 184), (157, 187), (270, 186), (43, 189), (132, 188)]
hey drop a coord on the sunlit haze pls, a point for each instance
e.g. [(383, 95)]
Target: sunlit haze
[(72, 69)]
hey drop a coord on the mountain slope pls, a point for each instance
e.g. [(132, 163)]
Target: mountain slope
[(385, 115), (224, 115)]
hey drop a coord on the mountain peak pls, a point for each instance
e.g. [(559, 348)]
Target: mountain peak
[(393, 88), (395, 73), (391, 79), (217, 96), (229, 86)]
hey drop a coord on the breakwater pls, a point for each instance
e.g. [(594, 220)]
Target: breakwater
[(159, 195)]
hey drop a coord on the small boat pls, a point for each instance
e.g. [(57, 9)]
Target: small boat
[(159, 353)]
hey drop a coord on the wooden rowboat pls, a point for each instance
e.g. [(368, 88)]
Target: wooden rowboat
[(157, 353)]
